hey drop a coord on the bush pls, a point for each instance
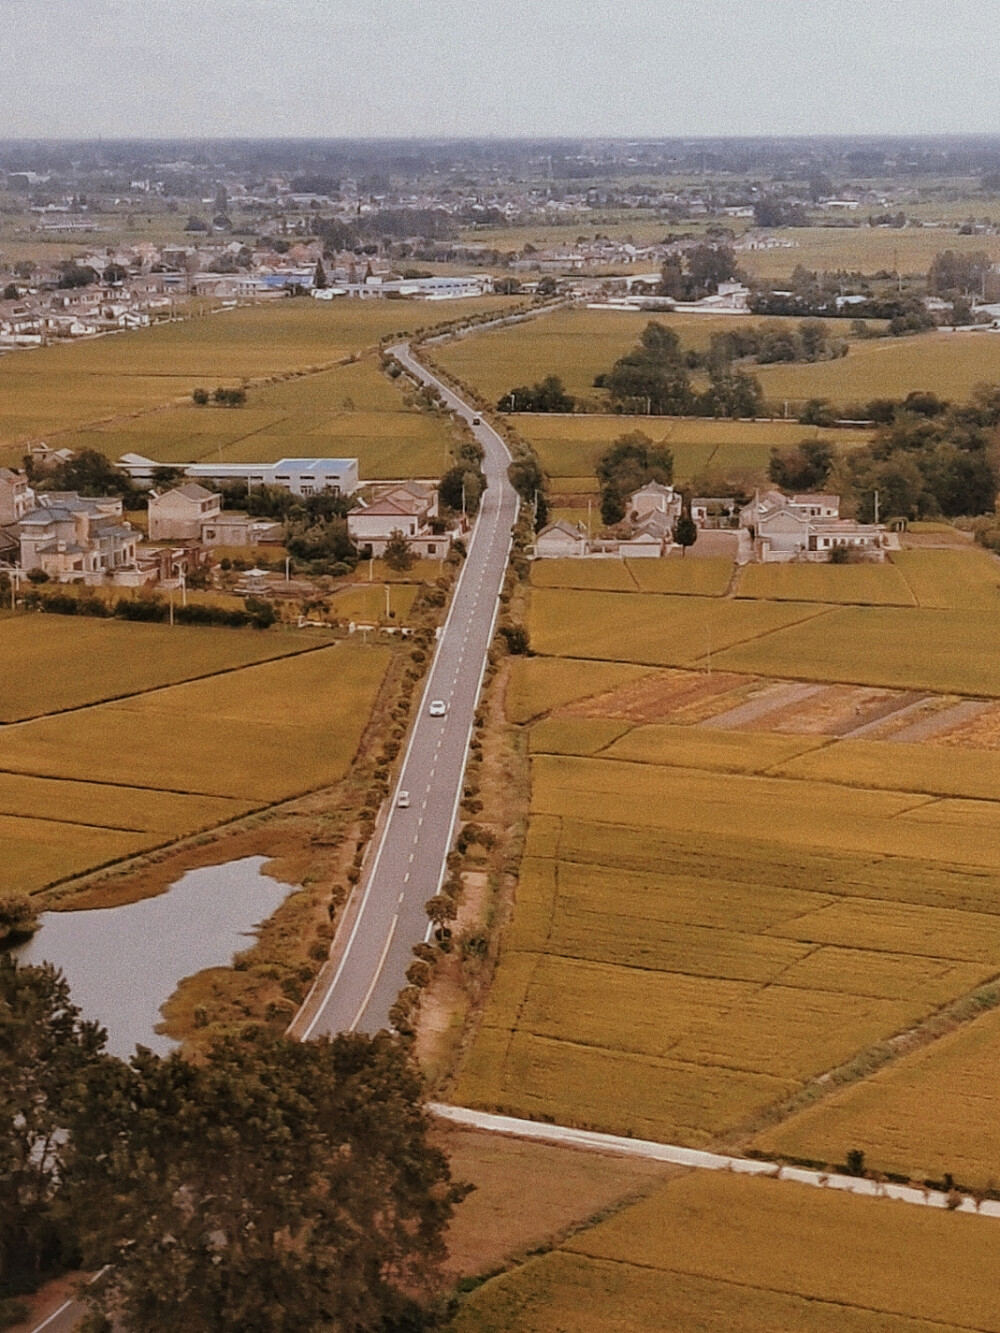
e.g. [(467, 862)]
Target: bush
[(229, 397), (144, 609), (516, 637), (13, 1311)]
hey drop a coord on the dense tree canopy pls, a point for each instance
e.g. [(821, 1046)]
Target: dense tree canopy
[(631, 462), (273, 1186), (89, 473), (47, 1053), (653, 377), (697, 273), (548, 395), (804, 468)]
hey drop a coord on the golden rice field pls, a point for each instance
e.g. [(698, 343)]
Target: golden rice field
[(909, 648), (569, 447), (866, 585), (537, 684), (943, 651), (973, 775), (52, 389), (53, 663), (653, 629), (351, 410), (720, 1253), (83, 788), (707, 577), (695, 939), (932, 1113), (375, 602)]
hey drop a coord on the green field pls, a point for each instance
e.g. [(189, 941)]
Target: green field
[(719, 1253), (709, 577), (948, 364), (350, 411), (48, 390), (80, 789), (866, 585), (52, 663), (963, 580), (569, 447), (574, 344)]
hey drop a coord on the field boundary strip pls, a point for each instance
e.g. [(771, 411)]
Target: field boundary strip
[(707, 1161)]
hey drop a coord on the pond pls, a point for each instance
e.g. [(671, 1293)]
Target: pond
[(123, 963)]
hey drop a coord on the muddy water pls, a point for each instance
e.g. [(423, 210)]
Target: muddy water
[(123, 963)]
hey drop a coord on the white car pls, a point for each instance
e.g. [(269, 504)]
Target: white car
[(403, 800), (438, 708)]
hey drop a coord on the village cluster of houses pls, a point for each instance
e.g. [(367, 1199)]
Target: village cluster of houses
[(71, 538), (772, 528)]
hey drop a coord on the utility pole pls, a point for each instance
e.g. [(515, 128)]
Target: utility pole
[(876, 506)]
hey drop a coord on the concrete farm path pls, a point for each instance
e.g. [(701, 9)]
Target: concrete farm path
[(707, 1161), (409, 861)]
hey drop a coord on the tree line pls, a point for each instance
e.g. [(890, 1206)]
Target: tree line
[(927, 458)]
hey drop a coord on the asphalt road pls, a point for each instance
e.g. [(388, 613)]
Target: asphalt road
[(409, 862)]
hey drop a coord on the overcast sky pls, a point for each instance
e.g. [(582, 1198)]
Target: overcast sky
[(123, 68)]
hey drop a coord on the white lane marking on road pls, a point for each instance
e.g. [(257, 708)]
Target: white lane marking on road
[(421, 819), (406, 877), (400, 898), (378, 973), (411, 856), (416, 837), (66, 1304)]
